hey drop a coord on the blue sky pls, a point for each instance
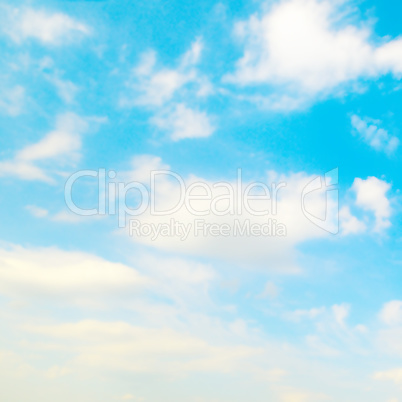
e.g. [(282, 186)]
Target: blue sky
[(286, 91)]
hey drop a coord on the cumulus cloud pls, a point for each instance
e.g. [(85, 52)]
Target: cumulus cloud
[(371, 195), (142, 165), (391, 313), (282, 214), (349, 223), (167, 92), (301, 50), (183, 122), (370, 203), (44, 26), (376, 137), (155, 86)]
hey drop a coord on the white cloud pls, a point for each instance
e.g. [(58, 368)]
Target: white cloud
[(142, 165), (37, 211), (46, 27), (376, 137), (146, 64), (183, 122), (61, 145), (72, 276), (168, 91), (183, 281), (64, 140), (76, 278), (270, 291), (371, 196), (302, 396), (161, 87), (122, 346), (66, 216), (389, 340), (299, 315), (193, 55), (12, 100), (332, 324), (391, 313), (178, 347), (65, 89), (332, 332), (394, 375), (274, 251), (155, 87), (349, 223), (304, 49), (341, 312), (130, 397), (57, 372), (63, 216), (177, 270)]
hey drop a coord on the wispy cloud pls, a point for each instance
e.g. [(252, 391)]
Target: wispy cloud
[(12, 100), (167, 92), (44, 26), (375, 136), (60, 145)]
